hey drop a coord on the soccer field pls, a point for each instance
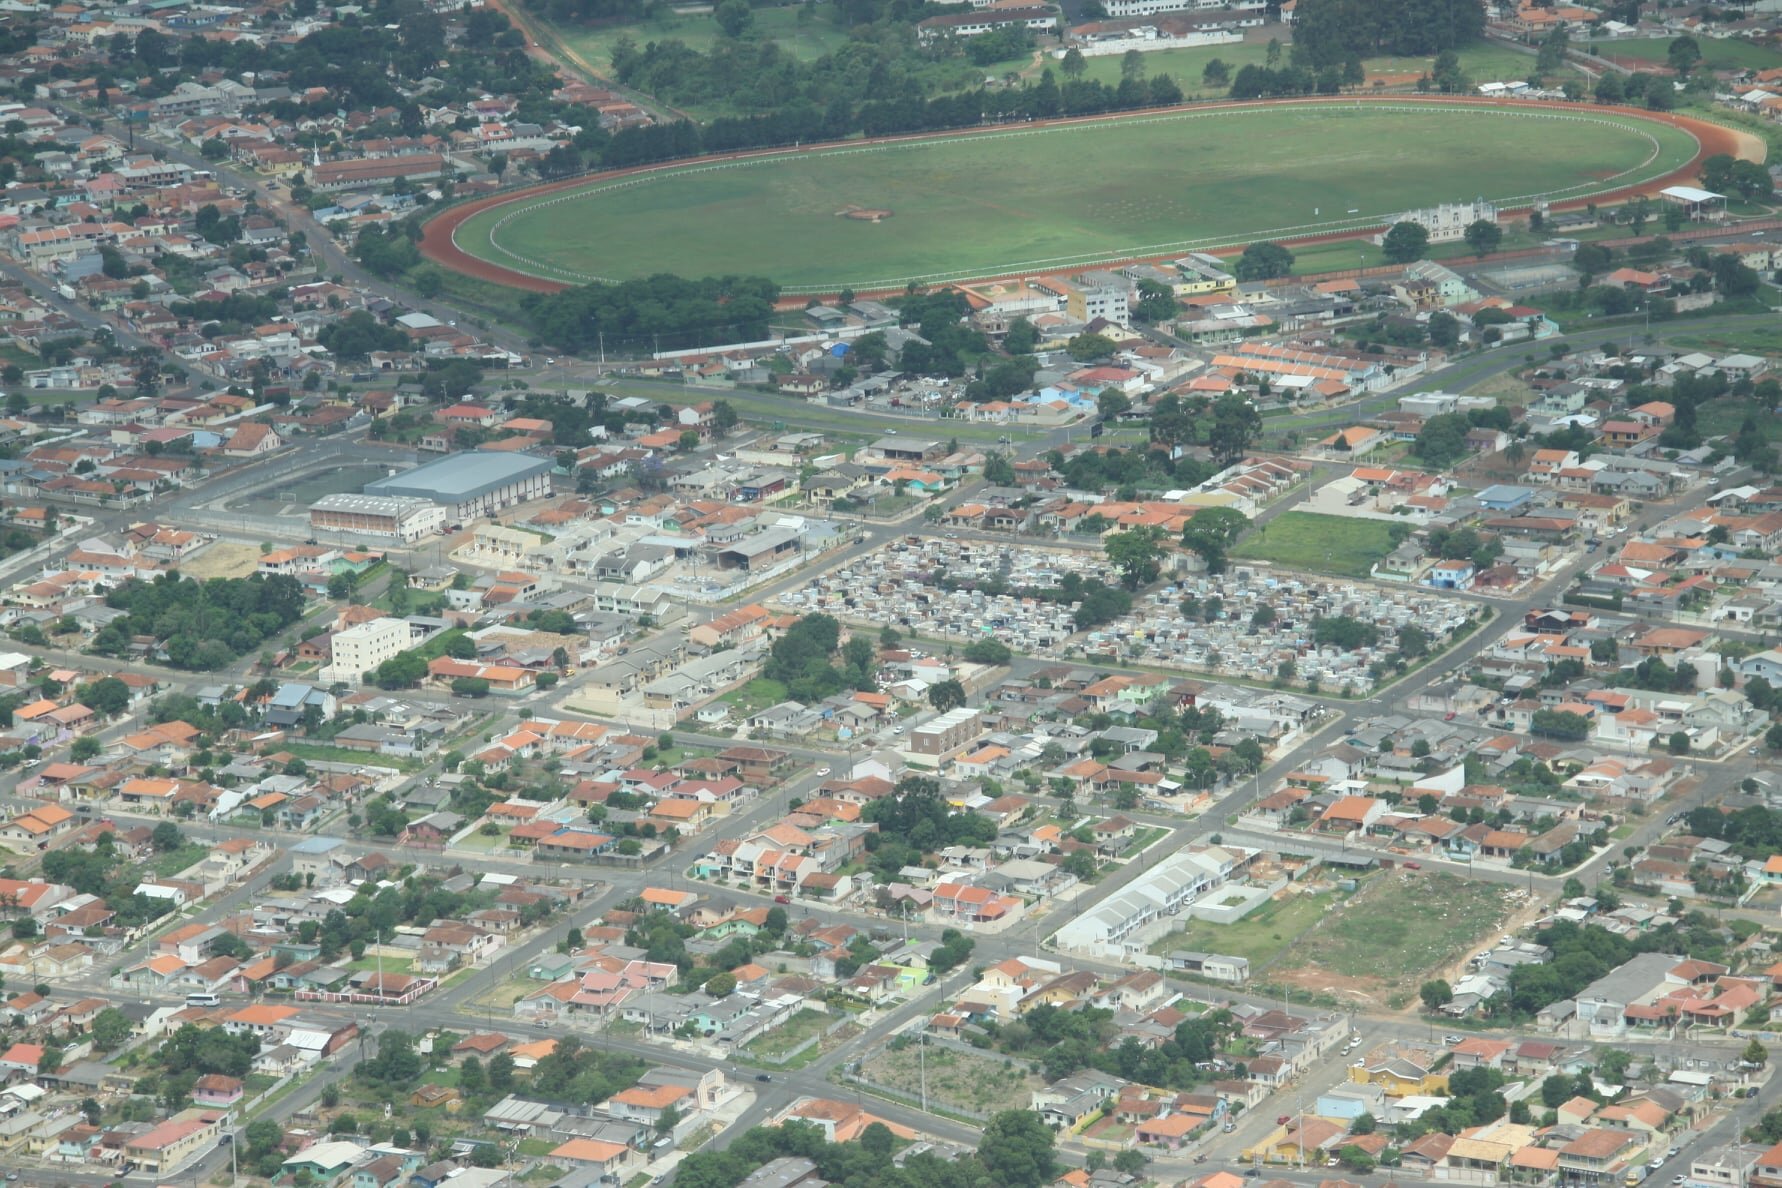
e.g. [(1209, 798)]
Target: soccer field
[(1053, 197)]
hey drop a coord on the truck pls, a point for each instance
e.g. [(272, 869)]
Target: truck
[(1635, 1175)]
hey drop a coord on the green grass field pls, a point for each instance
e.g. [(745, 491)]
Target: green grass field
[(1317, 542), (1717, 55), (1261, 937), (1057, 197)]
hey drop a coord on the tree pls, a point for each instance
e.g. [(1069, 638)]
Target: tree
[(111, 1029), (1016, 1149), (724, 418), (721, 985), (1683, 54), (1444, 330), (1405, 242), (1112, 404), (1131, 1162), (1755, 1053), (1074, 63), (470, 1076), (1678, 743), (734, 17), (1611, 1065), (1263, 261), (1364, 1123), (1215, 73), (85, 747), (107, 695), (688, 440), (878, 1141), (1442, 440), (1436, 994), (1483, 236), (1236, 423), (946, 695), (988, 651), (167, 837), (1088, 345), (1138, 554), (1211, 533)]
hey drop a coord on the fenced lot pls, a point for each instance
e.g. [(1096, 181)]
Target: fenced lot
[(966, 1082)]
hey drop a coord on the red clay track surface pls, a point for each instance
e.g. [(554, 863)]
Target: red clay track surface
[(438, 245)]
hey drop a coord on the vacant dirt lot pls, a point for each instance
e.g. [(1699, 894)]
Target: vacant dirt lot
[(1399, 929), (224, 559)]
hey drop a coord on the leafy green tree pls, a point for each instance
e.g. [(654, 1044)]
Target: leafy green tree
[(1236, 424), (1444, 330), (1016, 1149), (1442, 440), (1405, 242), (1683, 54), (1215, 73), (946, 695), (734, 17), (1211, 532), (1088, 346), (1264, 261), (111, 1029), (988, 651), (1484, 236), (1435, 994), (1137, 554)]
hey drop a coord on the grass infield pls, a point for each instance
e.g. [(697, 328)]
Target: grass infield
[(1053, 197)]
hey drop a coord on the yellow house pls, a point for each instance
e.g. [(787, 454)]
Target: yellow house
[(1303, 1139), (1401, 1078)]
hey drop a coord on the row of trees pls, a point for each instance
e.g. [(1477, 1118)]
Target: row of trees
[(658, 311)]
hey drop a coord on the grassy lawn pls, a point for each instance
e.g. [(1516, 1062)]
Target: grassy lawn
[(1400, 927), (1321, 543), (1717, 55), (794, 1031), (1137, 186), (173, 861), (536, 1147), (483, 843), (1723, 417), (756, 695), (322, 753), (1262, 936), (1758, 339), (399, 965), (1145, 839)]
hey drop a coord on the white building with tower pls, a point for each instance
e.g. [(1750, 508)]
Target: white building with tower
[(1448, 222)]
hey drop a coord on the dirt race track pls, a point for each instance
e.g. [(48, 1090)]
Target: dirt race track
[(438, 241)]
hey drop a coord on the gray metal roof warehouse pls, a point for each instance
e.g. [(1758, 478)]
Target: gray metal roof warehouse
[(459, 478)]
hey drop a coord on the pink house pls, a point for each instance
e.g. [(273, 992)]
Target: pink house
[(215, 1089)]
